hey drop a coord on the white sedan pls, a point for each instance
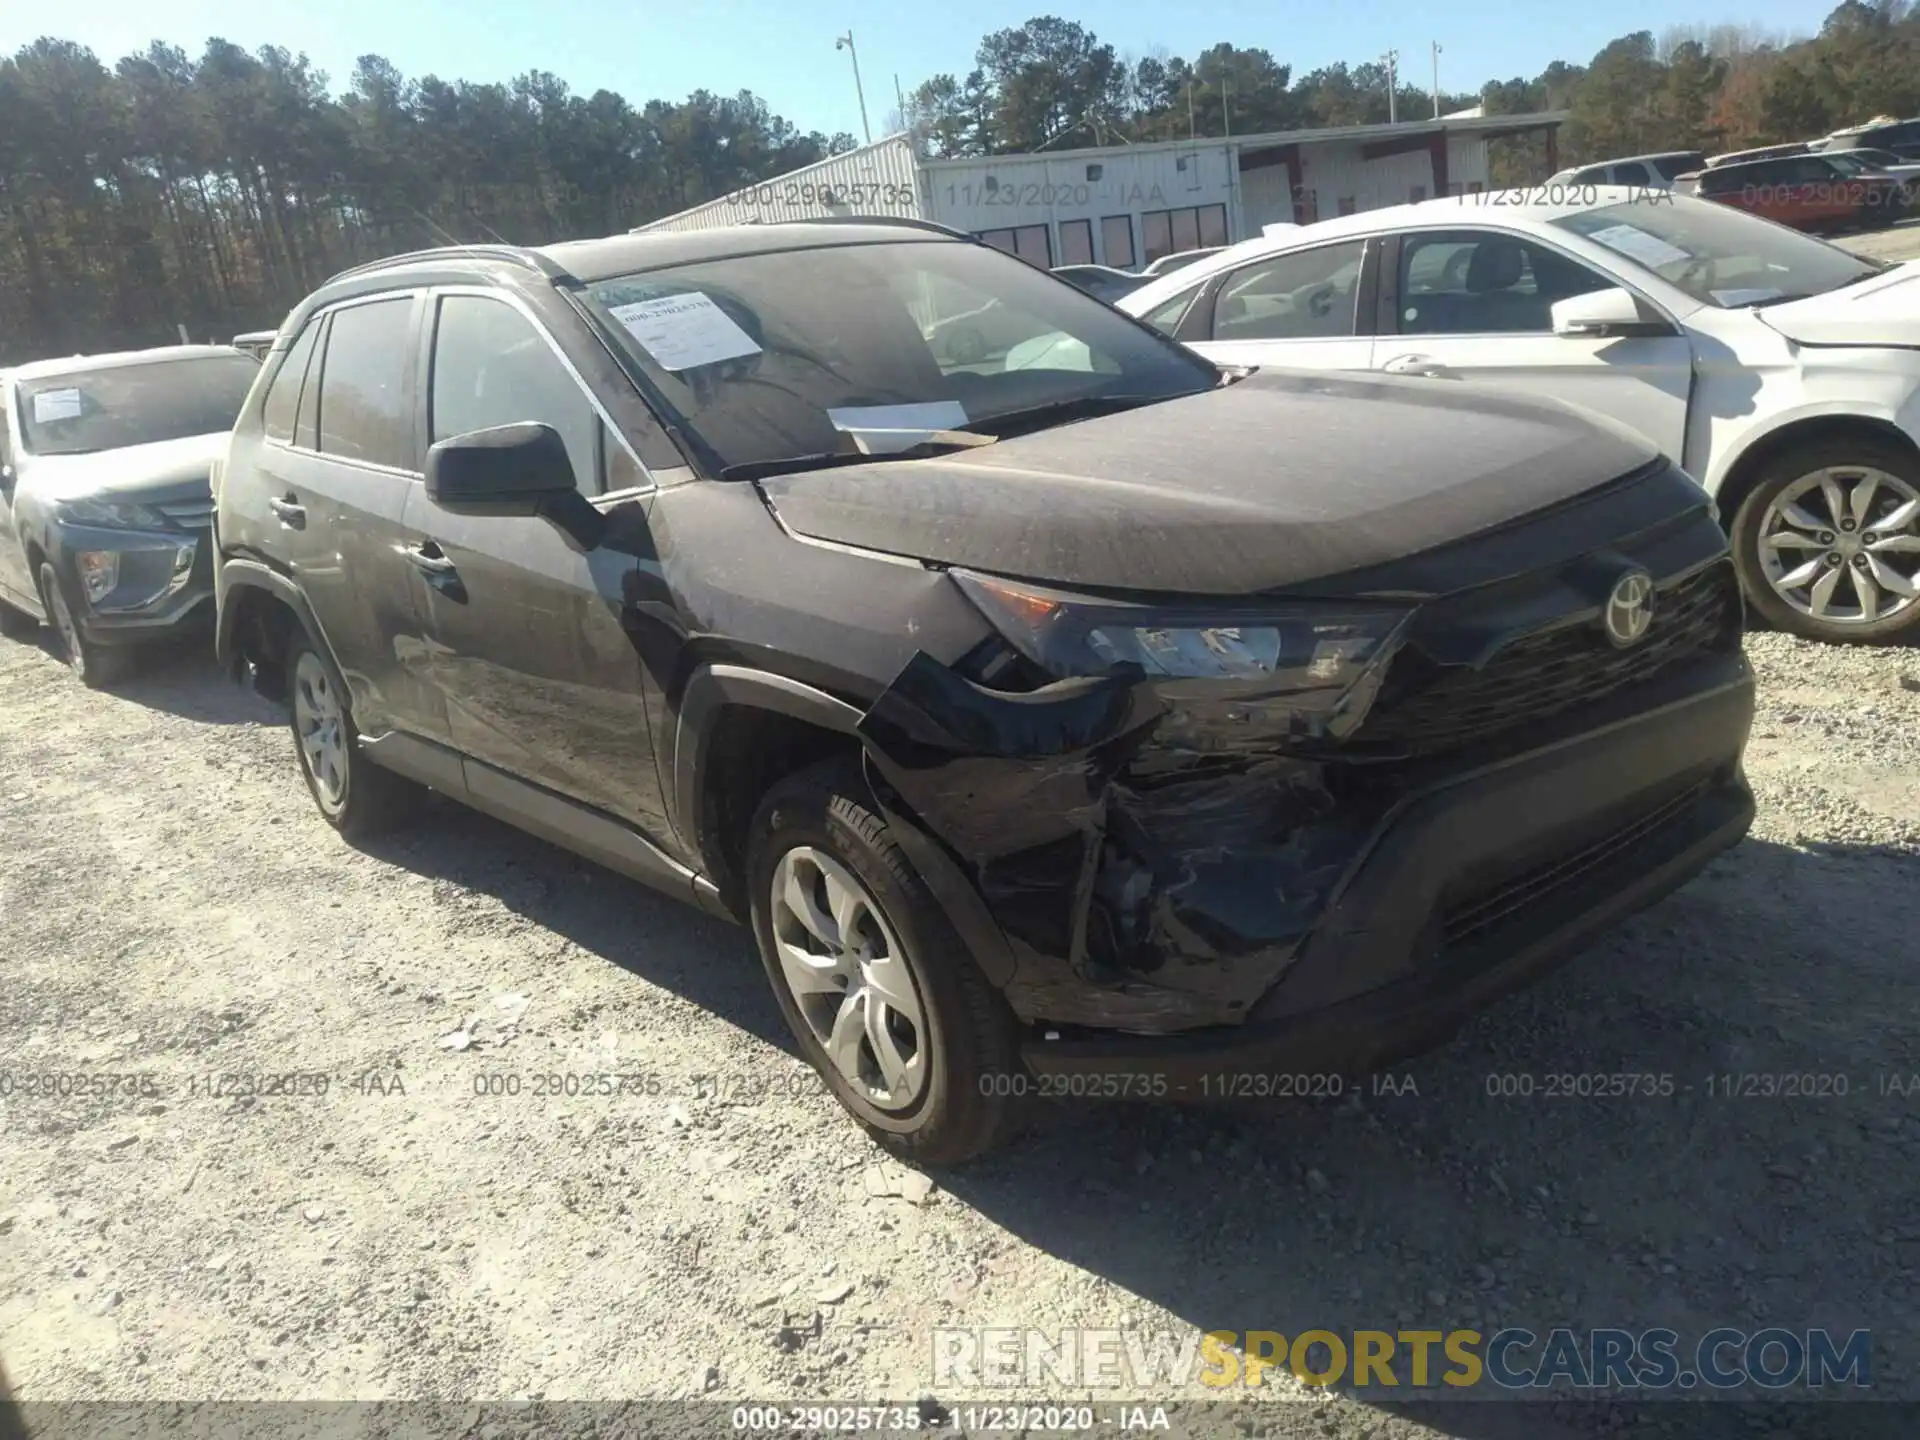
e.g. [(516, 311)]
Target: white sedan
[(1782, 372)]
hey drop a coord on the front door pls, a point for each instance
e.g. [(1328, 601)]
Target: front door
[(1477, 305), (528, 650)]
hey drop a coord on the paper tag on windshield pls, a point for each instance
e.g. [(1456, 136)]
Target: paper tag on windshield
[(1637, 244), (683, 332), (1732, 298), (932, 415), (56, 405)]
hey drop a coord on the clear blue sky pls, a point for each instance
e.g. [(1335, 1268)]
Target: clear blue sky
[(783, 51)]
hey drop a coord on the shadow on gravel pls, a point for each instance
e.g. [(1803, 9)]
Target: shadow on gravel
[(670, 943), (181, 677), (1488, 1194)]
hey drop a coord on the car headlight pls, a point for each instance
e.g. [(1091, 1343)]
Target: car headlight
[(110, 515), (99, 572), (1318, 659)]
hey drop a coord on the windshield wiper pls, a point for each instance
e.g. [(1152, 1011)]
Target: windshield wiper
[(1061, 412), (936, 443)]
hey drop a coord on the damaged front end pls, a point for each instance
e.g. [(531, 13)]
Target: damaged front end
[(1141, 794)]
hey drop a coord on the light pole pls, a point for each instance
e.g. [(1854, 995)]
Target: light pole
[(1436, 79), (845, 42), (1392, 58)]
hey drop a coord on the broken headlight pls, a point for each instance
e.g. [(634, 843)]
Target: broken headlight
[(1278, 647)]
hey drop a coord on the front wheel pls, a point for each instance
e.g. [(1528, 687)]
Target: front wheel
[(881, 994), (357, 797), (97, 666), (1828, 543)]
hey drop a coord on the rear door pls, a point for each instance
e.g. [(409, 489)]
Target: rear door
[(532, 662), (337, 489), (1302, 309), (1472, 304)]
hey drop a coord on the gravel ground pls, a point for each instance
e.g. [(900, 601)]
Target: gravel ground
[(172, 906)]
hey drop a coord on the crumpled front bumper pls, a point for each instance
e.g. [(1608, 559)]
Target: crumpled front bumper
[(1216, 912)]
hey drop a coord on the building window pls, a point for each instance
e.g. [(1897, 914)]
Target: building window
[(1030, 242), (1116, 241), (1306, 205), (1168, 232), (1347, 205), (1417, 194), (1076, 242)]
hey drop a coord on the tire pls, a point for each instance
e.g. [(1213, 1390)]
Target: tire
[(357, 797), (17, 624), (939, 1109), (1809, 478), (96, 666)]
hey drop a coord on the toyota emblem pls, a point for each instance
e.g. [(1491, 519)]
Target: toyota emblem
[(1629, 608)]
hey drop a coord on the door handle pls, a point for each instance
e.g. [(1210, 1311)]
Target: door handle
[(291, 514), (437, 569), (428, 560), (1416, 365)]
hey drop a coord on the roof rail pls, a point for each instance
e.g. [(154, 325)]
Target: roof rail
[(911, 222), (509, 254)]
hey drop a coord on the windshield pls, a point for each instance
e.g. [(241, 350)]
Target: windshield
[(876, 348), (1719, 255), (110, 409)]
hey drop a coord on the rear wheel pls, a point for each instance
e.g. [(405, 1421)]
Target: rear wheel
[(357, 797), (879, 991), (97, 666), (1828, 543)]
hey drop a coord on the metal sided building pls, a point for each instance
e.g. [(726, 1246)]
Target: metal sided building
[(1128, 205)]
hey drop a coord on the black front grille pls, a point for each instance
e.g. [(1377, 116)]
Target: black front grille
[(195, 514), (1548, 672)]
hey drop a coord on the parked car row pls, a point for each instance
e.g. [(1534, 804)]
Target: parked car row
[(1122, 721), (1861, 177)]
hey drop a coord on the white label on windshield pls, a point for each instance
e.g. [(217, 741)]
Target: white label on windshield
[(932, 415), (56, 405), (1637, 244), (682, 332), (1747, 297)]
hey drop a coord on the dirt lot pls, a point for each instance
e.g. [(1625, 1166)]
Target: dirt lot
[(172, 906)]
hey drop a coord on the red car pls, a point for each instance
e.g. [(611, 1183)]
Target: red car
[(1807, 192)]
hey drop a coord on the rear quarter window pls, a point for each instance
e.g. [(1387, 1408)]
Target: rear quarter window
[(282, 405), (364, 412)]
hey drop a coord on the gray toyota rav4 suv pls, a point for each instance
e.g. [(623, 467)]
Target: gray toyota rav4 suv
[(1143, 729)]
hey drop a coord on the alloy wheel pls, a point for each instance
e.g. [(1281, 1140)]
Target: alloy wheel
[(849, 977), (1841, 545), (319, 723), (69, 632)]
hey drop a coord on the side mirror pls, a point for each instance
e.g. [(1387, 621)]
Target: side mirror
[(1610, 314), (520, 469)]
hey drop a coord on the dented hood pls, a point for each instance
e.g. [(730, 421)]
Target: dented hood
[(1880, 310), (1282, 478)]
